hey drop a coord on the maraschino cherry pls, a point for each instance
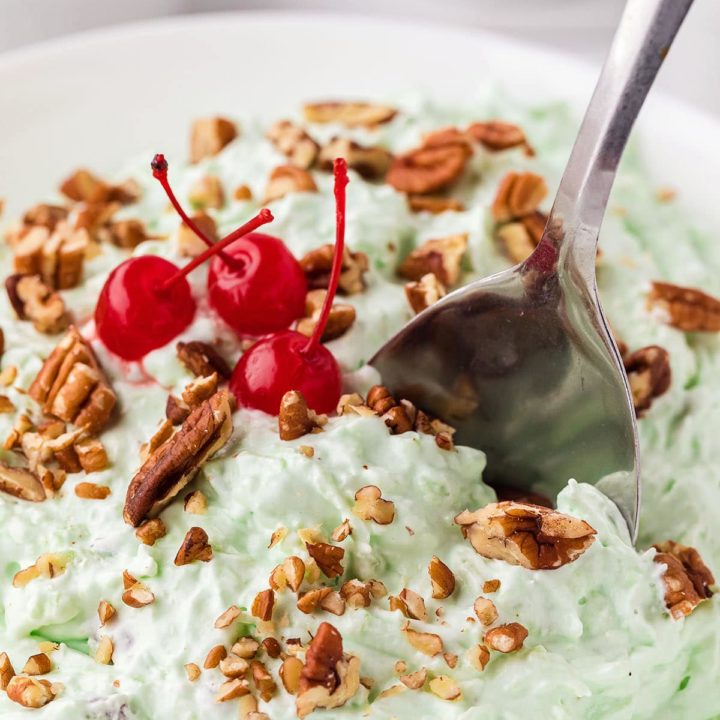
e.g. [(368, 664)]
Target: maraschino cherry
[(287, 360), (256, 286)]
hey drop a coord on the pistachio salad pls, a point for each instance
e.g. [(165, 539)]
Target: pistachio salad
[(168, 551)]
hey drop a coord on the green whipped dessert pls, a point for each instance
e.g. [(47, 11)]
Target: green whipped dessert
[(166, 554)]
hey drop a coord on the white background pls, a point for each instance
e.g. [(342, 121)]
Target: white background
[(581, 27)]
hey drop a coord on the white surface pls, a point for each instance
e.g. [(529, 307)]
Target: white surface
[(107, 96)]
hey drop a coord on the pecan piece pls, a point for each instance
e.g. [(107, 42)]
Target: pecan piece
[(187, 242), (649, 375), (72, 387), (506, 638), (21, 483), (84, 186), (410, 604), (531, 536), (371, 163), (519, 194), (35, 301), (295, 418), (286, 179), (433, 204), (485, 610), (340, 319), (128, 233), (685, 308), (370, 505), (202, 359), (496, 135), (328, 558), (171, 467), (30, 693), (441, 256), (686, 578), (329, 677), (45, 215), (293, 142), (7, 672), (207, 192), (317, 265), (429, 644), (349, 114), (195, 546), (209, 136), (263, 605), (423, 293), (442, 579), (428, 169)]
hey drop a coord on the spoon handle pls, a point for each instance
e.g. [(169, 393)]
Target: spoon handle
[(641, 42)]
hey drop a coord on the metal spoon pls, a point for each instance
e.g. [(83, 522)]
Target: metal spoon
[(523, 363)]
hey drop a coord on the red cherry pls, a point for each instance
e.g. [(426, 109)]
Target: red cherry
[(262, 291), (287, 360)]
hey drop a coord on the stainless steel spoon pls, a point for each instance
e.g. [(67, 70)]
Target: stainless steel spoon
[(523, 363)]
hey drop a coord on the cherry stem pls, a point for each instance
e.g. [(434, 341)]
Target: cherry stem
[(341, 181), (262, 218)]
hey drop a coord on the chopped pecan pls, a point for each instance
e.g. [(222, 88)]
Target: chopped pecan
[(171, 467), (428, 169), (247, 647), (290, 672), (516, 241), (371, 163), (45, 215), (686, 578), (491, 586), (192, 671), (106, 612), (532, 536), (342, 531), (39, 664), (445, 688), (187, 242), (91, 454), (232, 689), (415, 680), (442, 579), (30, 693), (214, 657), (423, 293), (317, 265), (263, 681), (288, 574), (202, 359), (85, 186), (194, 547), (399, 417), (479, 657), (496, 135), (293, 142), (685, 308), (138, 595), (242, 192), (353, 404), (209, 136), (370, 505), (91, 491), (340, 319), (445, 136), (176, 410), (358, 593), (7, 672), (227, 618), (433, 204), (195, 503), (286, 179), (21, 483), (429, 644), (485, 610), (410, 604), (207, 192), (441, 256), (506, 638), (72, 387), (104, 651), (233, 666), (309, 601), (263, 605), (649, 375), (328, 557), (272, 647), (200, 390), (519, 194), (329, 677), (35, 301), (128, 233), (349, 114), (295, 419)]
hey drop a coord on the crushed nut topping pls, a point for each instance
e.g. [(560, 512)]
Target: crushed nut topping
[(445, 688), (479, 657), (232, 689), (506, 638), (517, 242), (104, 651), (192, 671), (187, 242), (442, 579), (497, 135), (342, 531), (271, 647), (207, 192), (328, 557), (293, 142), (415, 680), (202, 359), (194, 547), (433, 204), (263, 681), (429, 644), (263, 604), (519, 194), (649, 375), (532, 536), (295, 418), (150, 531), (359, 594), (485, 610), (214, 656), (491, 586), (39, 664), (92, 491), (309, 601), (209, 136), (171, 467), (349, 114), (34, 300), (21, 483), (686, 578), (410, 604), (91, 454), (7, 672), (195, 503), (106, 612), (233, 666), (423, 293), (370, 505), (30, 693), (442, 257), (138, 595), (290, 672), (317, 265), (287, 179), (330, 677), (289, 573), (684, 308), (72, 387), (371, 163), (340, 319), (429, 168)]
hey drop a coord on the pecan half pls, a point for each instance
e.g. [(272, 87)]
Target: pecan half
[(440, 256), (519, 194), (295, 418), (317, 265), (371, 163), (649, 375), (340, 319), (171, 467), (349, 114), (532, 536), (286, 179), (506, 638), (329, 677), (686, 577), (195, 546), (21, 483), (35, 301), (209, 136), (496, 135), (685, 308), (293, 142), (423, 293), (428, 169), (328, 558), (72, 387), (202, 359), (433, 205)]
